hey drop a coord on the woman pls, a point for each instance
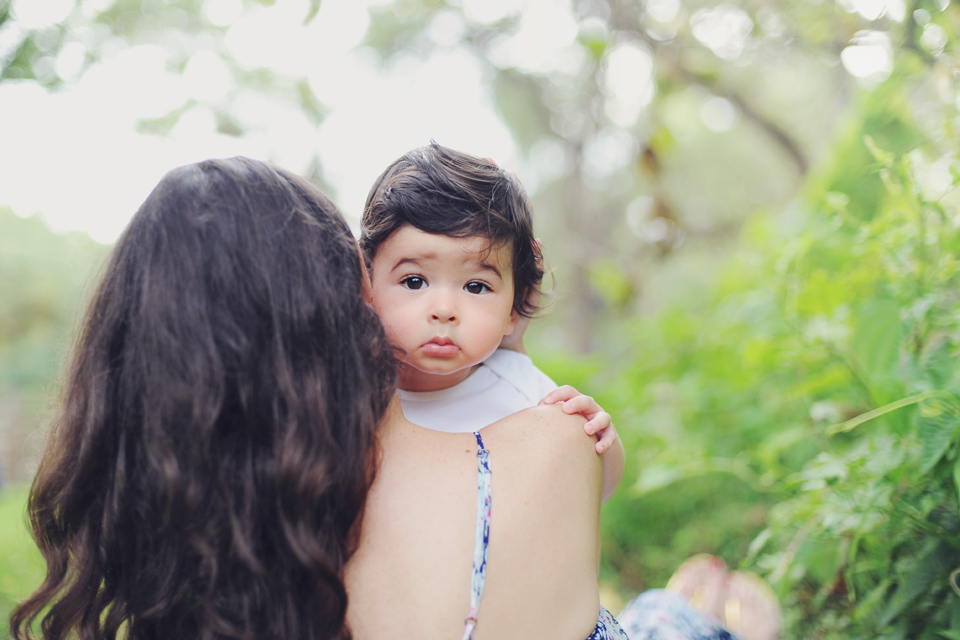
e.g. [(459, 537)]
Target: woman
[(216, 441), (219, 438)]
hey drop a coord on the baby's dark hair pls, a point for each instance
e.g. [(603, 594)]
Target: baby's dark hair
[(446, 192)]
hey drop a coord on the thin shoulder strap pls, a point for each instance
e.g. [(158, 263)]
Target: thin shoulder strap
[(482, 541)]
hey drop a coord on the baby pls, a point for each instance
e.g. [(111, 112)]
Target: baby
[(455, 274)]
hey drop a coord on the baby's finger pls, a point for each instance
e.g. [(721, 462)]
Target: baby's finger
[(581, 404), (560, 394), (600, 422), (606, 438)]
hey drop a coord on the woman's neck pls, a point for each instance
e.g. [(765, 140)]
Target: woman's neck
[(393, 419)]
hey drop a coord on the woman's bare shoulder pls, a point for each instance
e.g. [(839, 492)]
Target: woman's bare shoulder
[(544, 535), (543, 431)]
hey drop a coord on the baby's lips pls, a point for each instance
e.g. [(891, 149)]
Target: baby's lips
[(442, 348)]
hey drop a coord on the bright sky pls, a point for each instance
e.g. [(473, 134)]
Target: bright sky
[(74, 155)]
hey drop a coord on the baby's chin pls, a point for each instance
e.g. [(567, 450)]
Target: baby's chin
[(440, 366), (420, 378)]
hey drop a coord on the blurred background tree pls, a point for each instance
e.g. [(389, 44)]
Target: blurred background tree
[(751, 210)]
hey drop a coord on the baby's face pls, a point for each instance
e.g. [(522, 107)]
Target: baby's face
[(446, 302)]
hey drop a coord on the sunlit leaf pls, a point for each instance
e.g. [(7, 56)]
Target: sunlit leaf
[(656, 478), (885, 158), (956, 477), (314, 10), (876, 344), (937, 423)]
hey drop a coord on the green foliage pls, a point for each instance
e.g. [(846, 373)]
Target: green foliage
[(21, 566), (44, 284), (809, 399), (881, 499), (43, 275)]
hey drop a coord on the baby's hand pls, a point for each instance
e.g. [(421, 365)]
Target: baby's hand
[(599, 425), (598, 420)]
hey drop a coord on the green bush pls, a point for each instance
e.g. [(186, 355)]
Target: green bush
[(21, 566), (810, 401)]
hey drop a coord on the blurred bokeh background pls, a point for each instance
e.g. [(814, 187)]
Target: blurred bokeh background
[(750, 209)]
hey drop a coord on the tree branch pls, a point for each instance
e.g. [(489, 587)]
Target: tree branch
[(775, 131)]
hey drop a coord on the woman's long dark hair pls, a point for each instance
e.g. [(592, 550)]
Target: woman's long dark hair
[(210, 465)]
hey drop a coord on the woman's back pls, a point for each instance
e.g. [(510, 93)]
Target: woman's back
[(411, 576)]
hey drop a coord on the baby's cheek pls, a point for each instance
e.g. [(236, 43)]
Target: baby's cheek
[(493, 329), (401, 329), (395, 333), (387, 310)]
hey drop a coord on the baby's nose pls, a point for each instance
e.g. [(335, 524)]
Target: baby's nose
[(444, 315), (443, 305)]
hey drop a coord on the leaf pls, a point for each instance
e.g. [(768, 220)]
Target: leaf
[(897, 633), (876, 344), (937, 423), (954, 614), (938, 364), (950, 634), (836, 202), (883, 157), (916, 582), (756, 546), (654, 478), (872, 601), (956, 477), (612, 282), (314, 10), (825, 467)]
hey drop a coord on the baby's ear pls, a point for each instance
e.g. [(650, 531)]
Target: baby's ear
[(512, 322), (513, 332)]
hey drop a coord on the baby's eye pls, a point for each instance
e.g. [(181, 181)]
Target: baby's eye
[(477, 287), (413, 282)]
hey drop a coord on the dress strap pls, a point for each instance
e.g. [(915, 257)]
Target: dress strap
[(482, 541)]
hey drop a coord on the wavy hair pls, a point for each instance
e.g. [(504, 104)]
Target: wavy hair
[(207, 474), (447, 192)]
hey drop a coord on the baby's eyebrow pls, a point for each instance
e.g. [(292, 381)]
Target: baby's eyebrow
[(403, 261), (417, 262), (486, 266)]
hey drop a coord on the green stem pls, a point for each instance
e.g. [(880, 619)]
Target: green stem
[(853, 423)]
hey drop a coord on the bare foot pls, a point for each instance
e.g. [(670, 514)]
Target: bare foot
[(751, 609), (702, 580)]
